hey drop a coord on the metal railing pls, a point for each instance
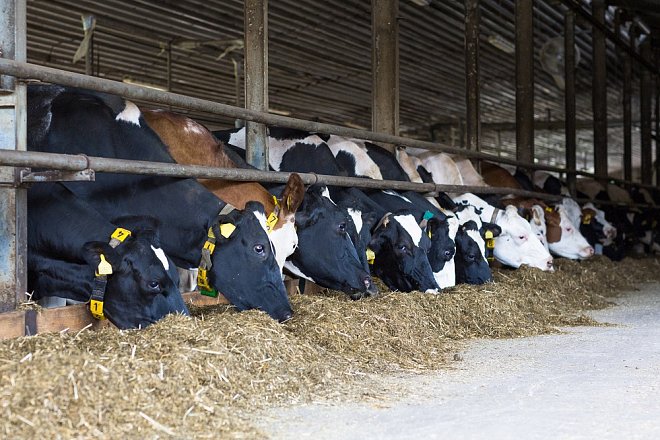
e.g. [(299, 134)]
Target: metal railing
[(80, 162)]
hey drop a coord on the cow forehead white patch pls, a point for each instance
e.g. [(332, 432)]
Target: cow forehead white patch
[(261, 218), (453, 227), (130, 114), (161, 256), (326, 194), (356, 215), (476, 237), (410, 225)]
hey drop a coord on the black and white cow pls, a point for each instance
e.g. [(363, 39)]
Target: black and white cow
[(438, 226), (67, 242), (75, 121), (327, 253)]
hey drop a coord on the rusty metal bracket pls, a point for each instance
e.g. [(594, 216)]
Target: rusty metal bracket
[(25, 175)]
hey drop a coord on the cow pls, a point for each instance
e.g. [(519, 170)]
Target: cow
[(238, 258), (190, 143), (326, 253), (440, 228), (76, 255), (472, 254)]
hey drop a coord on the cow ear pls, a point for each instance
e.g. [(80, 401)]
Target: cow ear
[(446, 202), (143, 226), (537, 214), (307, 217), (492, 227), (92, 251), (293, 194)]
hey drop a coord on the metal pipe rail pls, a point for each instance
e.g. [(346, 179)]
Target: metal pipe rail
[(131, 91), (80, 162)]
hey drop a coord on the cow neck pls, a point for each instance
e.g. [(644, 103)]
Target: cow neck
[(205, 263), (101, 275)]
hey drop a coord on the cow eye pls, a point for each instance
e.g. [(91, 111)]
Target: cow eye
[(342, 227), (259, 249), (403, 247), (471, 257), (522, 237), (153, 285), (569, 229)]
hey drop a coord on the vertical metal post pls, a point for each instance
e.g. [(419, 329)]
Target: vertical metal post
[(599, 92), (627, 109), (169, 66), (657, 121), (569, 98), (645, 91), (385, 67), (256, 79), (13, 129), (472, 17), (525, 81)]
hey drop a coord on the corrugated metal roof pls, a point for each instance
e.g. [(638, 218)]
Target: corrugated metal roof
[(320, 61)]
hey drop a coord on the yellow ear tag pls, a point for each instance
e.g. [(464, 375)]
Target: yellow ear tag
[(271, 221), (548, 209), (226, 229), (429, 234), (488, 235), (490, 240), (288, 203), (104, 268), (96, 308), (587, 219), (371, 256), (121, 234)]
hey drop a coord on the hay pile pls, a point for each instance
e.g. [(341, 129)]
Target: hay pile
[(203, 376)]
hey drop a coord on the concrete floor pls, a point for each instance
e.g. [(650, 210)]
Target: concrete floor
[(589, 383)]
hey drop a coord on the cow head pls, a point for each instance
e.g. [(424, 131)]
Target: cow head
[(142, 287), (564, 239), (326, 254), (243, 267), (442, 229), (471, 254), (517, 244), (400, 249)]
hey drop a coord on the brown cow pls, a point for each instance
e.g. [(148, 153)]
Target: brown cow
[(191, 143)]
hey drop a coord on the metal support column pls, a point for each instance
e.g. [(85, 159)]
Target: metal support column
[(525, 81), (599, 92), (646, 91), (569, 98), (657, 122), (256, 79), (385, 67), (13, 129), (627, 108), (472, 17)]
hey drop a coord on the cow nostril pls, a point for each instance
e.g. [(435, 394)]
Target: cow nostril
[(286, 316), (367, 282)]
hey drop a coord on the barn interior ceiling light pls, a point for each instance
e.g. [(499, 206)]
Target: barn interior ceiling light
[(499, 42), (279, 112)]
